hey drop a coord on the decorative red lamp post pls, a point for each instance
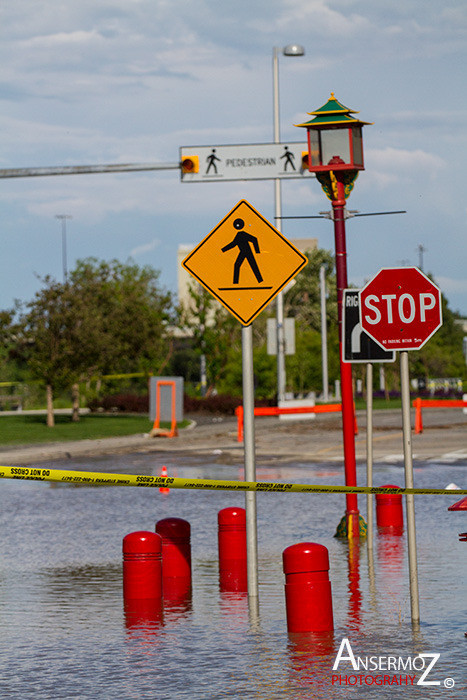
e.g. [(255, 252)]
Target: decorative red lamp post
[(335, 154)]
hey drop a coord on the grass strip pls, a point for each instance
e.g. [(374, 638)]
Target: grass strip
[(32, 429)]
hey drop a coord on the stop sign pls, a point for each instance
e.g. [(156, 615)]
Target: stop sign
[(400, 308)]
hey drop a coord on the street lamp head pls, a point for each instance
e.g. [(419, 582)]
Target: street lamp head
[(293, 50), (334, 138)]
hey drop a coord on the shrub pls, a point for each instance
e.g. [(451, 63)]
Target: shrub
[(120, 403), (222, 404)]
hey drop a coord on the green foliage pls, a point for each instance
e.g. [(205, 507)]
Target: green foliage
[(112, 317), (130, 314), (442, 355), (218, 335), (215, 333), (303, 301), (108, 317), (304, 369), (264, 374)]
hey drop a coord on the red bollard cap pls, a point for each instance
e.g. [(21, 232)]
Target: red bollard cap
[(142, 542), (232, 516), (305, 557), (173, 528), (389, 497)]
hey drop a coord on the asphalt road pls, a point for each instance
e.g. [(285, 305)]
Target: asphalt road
[(444, 438)]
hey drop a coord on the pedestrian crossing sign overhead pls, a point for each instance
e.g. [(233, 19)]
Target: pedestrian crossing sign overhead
[(244, 262)]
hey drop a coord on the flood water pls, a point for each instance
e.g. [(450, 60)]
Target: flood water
[(64, 632)]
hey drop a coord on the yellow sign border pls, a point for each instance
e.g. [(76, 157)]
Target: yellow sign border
[(239, 317)]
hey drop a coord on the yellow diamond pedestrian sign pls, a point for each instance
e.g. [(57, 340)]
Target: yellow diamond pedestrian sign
[(244, 262)]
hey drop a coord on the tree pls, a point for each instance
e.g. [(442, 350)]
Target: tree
[(215, 333), (442, 355), (133, 314), (108, 317), (303, 301), (46, 334)]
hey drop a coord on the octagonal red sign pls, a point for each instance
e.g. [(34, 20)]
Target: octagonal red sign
[(400, 308)]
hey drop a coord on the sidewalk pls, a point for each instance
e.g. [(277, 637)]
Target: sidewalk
[(319, 440)]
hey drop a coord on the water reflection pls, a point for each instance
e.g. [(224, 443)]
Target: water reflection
[(311, 657), (178, 604), (355, 595), (234, 608), (143, 617), (394, 582)]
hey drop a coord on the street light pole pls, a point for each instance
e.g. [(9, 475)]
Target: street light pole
[(348, 415), (289, 50), (63, 218), (324, 333), (335, 154)]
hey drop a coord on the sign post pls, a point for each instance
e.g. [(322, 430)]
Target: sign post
[(358, 346), (401, 310), (244, 262)]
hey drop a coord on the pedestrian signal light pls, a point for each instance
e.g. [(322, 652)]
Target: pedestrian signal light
[(305, 160), (190, 164)]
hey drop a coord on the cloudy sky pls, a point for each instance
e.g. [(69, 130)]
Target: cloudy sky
[(118, 81)]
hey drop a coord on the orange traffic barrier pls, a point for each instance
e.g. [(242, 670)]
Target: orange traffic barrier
[(418, 404), (276, 411)]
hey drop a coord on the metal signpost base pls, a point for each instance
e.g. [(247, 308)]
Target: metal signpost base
[(369, 452), (409, 499), (250, 468)]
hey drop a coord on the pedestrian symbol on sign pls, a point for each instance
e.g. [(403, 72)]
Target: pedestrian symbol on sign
[(211, 161), (242, 241), (289, 158)]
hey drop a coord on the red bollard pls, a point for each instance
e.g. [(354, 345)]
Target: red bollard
[(232, 550), (308, 597), (389, 516), (142, 566), (176, 557)]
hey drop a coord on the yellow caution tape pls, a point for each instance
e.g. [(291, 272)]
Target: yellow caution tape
[(128, 375), (106, 479)]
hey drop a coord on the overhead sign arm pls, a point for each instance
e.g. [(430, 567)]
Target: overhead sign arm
[(85, 169)]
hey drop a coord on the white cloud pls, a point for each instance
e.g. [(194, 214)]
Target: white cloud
[(389, 167), (403, 159), (320, 15), (145, 248), (450, 285), (133, 80)]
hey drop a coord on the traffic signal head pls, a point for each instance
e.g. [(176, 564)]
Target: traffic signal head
[(190, 164), (305, 160)]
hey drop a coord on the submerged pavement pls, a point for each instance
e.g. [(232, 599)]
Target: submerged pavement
[(444, 439)]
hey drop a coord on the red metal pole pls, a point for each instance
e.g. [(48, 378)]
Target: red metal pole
[(348, 415)]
